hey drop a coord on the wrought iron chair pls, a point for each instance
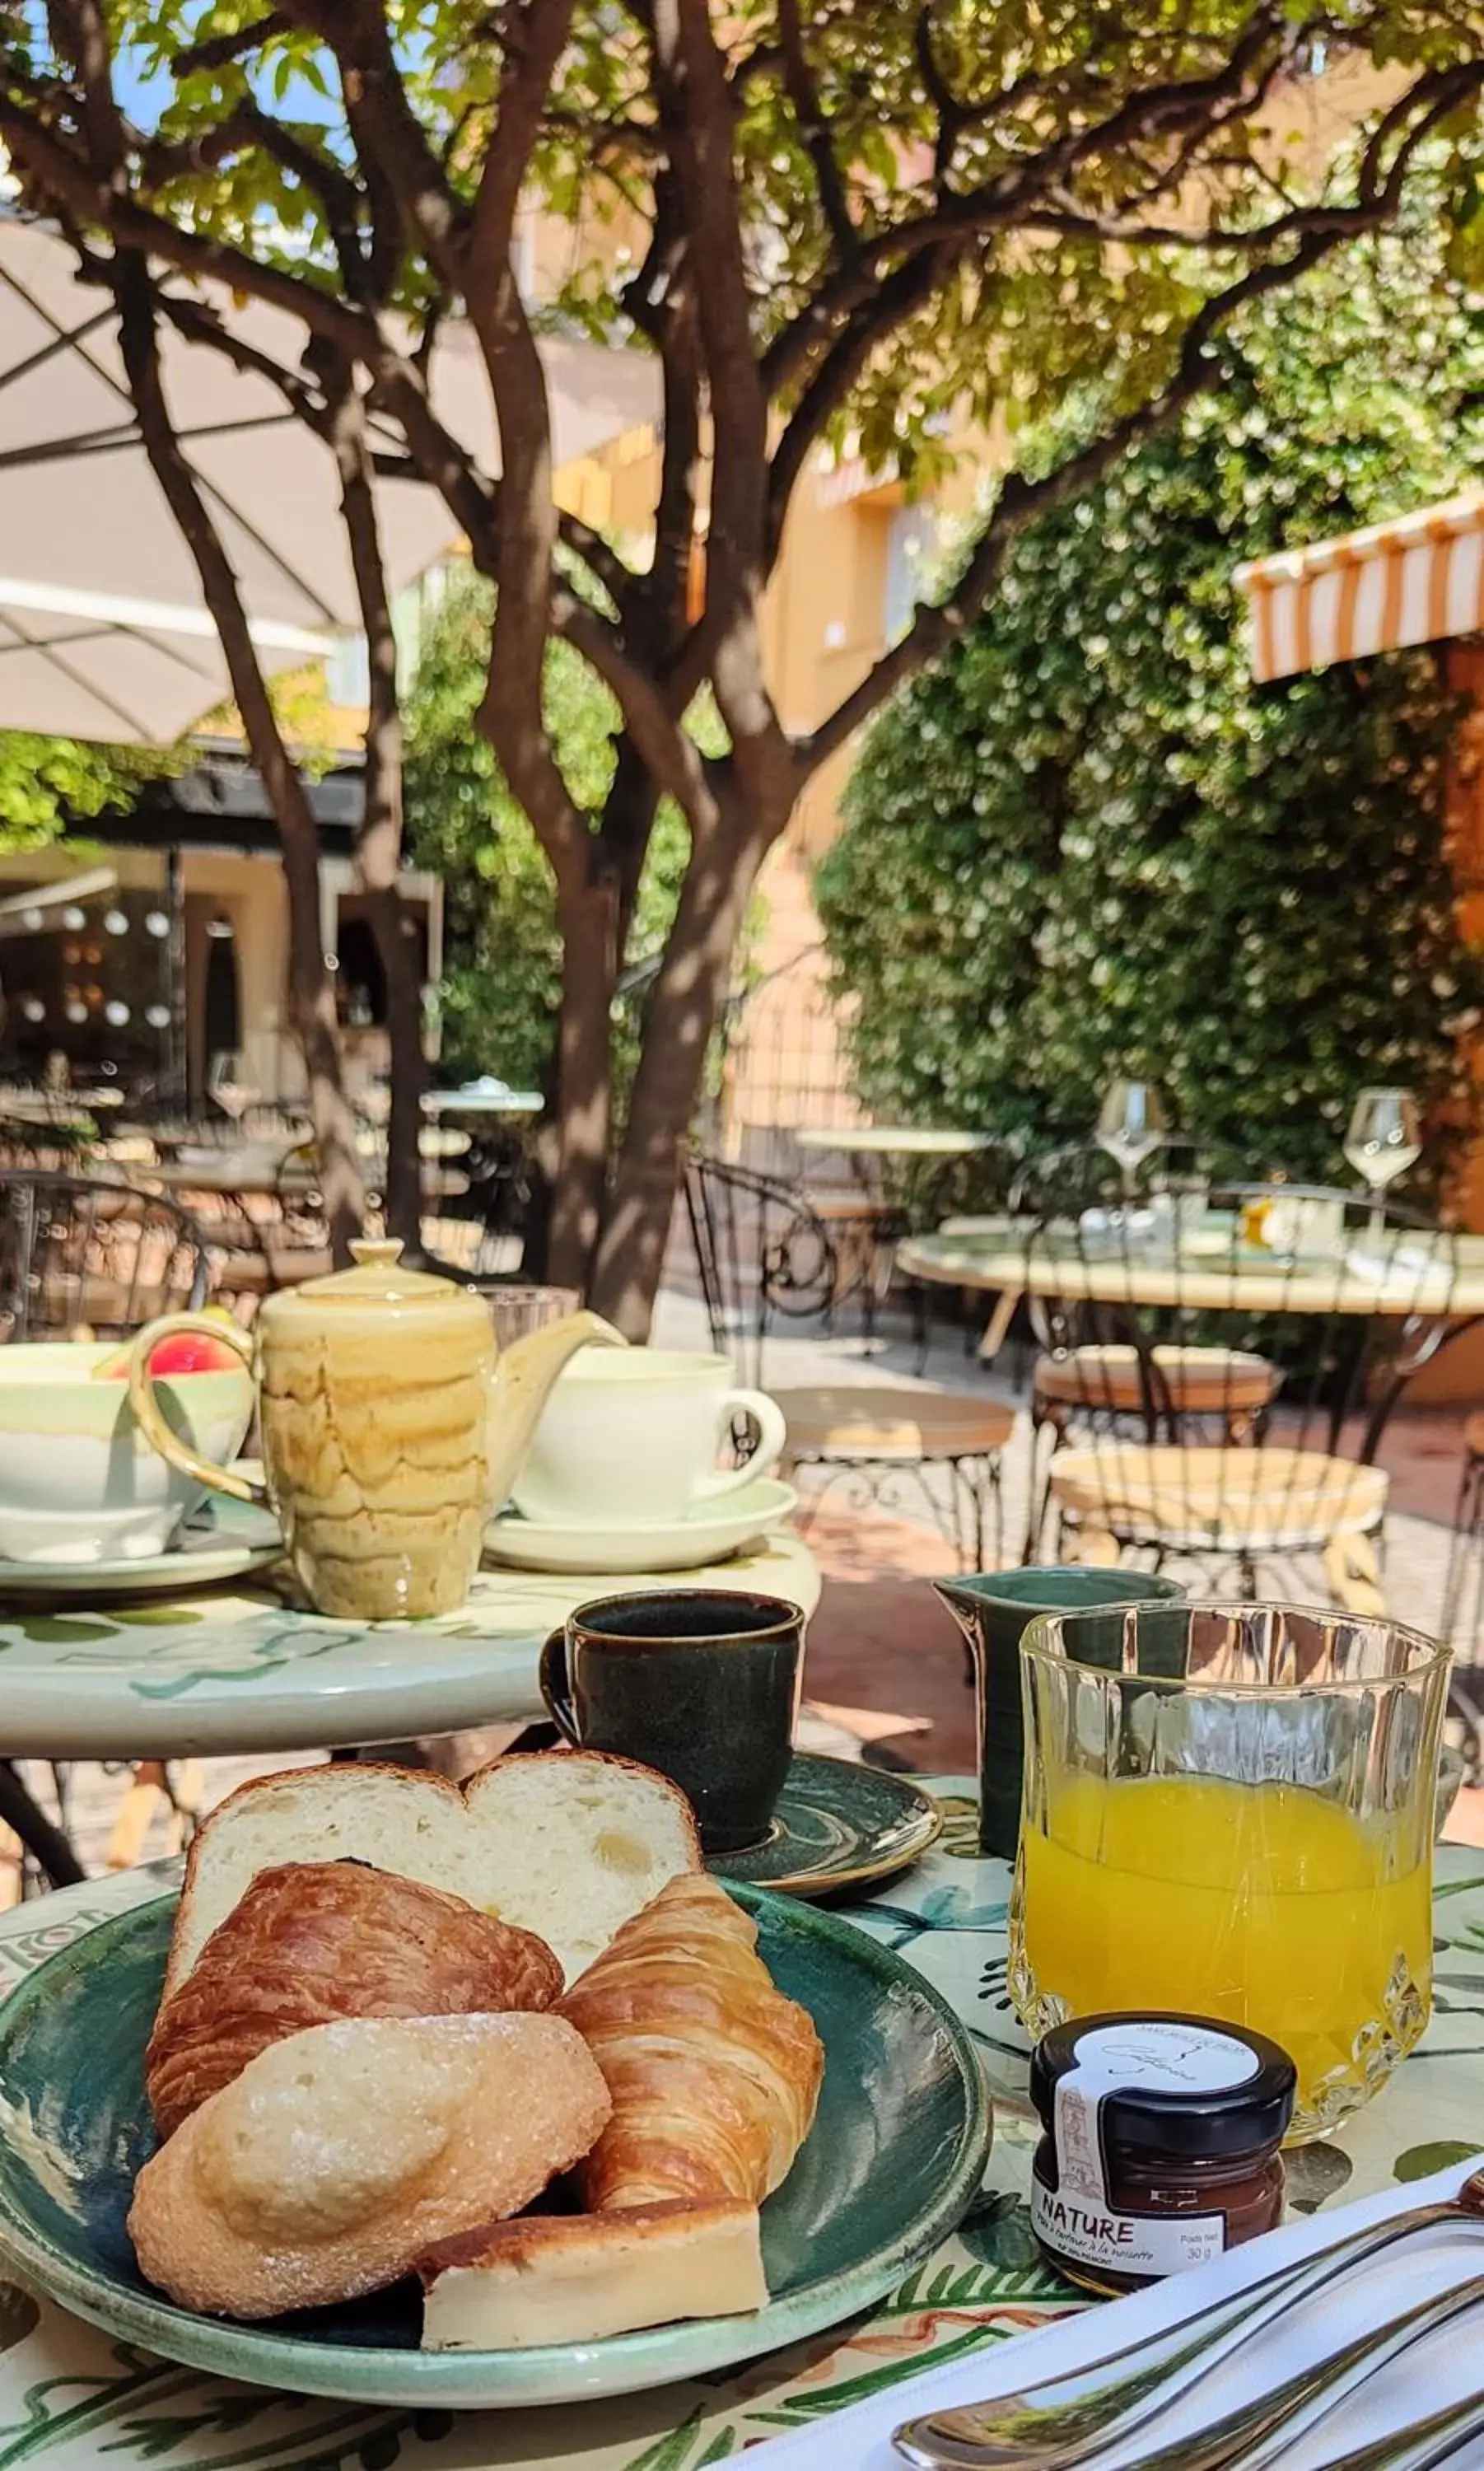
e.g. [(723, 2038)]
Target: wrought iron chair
[(1462, 1619), (1194, 1456), (766, 1260), (77, 1255), (80, 1252), (1078, 1378)]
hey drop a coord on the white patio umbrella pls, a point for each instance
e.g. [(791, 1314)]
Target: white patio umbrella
[(133, 672), (83, 528)]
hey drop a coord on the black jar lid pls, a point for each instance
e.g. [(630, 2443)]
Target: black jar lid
[(1252, 2109)]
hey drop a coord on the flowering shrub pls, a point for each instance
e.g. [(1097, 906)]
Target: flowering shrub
[(1085, 842)]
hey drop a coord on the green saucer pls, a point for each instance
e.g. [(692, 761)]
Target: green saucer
[(837, 1825)]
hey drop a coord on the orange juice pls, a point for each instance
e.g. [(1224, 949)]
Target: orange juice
[(1260, 1903)]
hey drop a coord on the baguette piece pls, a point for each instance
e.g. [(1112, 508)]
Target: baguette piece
[(314, 1941), (578, 2278), (714, 2074), (340, 2155), (566, 1843)]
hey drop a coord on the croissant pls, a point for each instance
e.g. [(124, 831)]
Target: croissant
[(714, 2074), (314, 1942)]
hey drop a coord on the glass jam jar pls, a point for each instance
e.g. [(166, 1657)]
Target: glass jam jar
[(1160, 2145)]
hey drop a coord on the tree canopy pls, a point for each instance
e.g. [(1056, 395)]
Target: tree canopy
[(1086, 843), (47, 782), (829, 224)]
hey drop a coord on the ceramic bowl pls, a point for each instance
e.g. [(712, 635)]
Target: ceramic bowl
[(79, 1482)]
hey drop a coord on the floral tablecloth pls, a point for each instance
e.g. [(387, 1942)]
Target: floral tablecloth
[(72, 2400)]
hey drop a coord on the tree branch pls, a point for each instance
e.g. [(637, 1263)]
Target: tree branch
[(936, 627), (220, 51), (314, 1003), (814, 131), (668, 752), (378, 841)]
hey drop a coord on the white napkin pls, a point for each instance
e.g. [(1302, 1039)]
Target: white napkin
[(1429, 2377)]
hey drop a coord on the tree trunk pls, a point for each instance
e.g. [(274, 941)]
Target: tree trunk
[(311, 1006), (584, 1081), (396, 946), (682, 1013), (312, 1002)]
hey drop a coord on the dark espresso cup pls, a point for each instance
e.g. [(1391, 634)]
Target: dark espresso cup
[(699, 1683)]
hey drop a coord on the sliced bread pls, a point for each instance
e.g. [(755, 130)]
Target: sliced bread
[(567, 1844), (337, 2156), (578, 2278)]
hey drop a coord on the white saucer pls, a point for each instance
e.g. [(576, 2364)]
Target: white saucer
[(708, 1532), (224, 1541)]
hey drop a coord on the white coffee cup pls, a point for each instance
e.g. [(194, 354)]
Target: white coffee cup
[(634, 1433), (79, 1480)]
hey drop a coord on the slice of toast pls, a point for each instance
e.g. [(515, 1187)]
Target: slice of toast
[(578, 2278), (567, 1844), (327, 2168)]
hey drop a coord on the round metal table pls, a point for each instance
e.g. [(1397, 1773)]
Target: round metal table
[(999, 1259), (233, 1671)]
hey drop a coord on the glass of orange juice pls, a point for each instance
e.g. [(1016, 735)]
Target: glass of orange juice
[(1229, 1812)]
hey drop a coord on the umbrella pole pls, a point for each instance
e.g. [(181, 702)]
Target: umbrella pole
[(176, 1068)]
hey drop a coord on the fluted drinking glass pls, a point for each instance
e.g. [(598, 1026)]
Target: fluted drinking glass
[(1227, 1812)]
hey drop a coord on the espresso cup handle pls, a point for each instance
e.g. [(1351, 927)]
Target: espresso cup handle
[(556, 1689), (146, 1410), (772, 1441)]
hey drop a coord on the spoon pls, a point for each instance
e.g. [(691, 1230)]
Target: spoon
[(1065, 2420)]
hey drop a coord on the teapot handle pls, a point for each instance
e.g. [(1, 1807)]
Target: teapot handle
[(147, 1408)]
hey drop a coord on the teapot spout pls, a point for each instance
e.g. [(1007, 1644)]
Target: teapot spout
[(524, 1376)]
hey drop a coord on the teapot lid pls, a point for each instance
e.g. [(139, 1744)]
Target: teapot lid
[(380, 1277)]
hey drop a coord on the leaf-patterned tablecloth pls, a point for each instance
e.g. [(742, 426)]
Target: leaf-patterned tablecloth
[(72, 2400)]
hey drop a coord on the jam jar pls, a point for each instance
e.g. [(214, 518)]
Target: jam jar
[(1160, 2144)]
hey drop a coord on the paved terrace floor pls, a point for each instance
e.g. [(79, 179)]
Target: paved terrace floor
[(885, 1675)]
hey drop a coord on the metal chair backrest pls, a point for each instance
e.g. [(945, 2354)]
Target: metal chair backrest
[(82, 1253), (1178, 1307), (762, 1254)]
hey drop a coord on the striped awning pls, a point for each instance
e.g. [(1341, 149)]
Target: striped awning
[(1412, 581)]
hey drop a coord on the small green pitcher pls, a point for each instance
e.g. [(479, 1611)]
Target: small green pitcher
[(993, 1607)]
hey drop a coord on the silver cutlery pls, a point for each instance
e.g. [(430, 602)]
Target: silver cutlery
[(1065, 2420)]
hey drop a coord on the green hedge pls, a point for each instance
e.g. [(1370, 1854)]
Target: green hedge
[(1085, 843)]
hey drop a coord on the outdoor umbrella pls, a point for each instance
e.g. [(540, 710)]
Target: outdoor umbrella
[(81, 513)]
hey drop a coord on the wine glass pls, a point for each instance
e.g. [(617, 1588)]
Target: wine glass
[(1384, 1139), (227, 1084), (1133, 1122)]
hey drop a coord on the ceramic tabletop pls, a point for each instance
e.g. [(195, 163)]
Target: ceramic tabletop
[(71, 2398), (239, 1670)]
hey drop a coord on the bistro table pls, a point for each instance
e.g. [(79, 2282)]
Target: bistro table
[(240, 1669), (998, 1257), (71, 2398)]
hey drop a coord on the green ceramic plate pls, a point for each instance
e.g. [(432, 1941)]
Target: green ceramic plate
[(837, 1825), (895, 2155)]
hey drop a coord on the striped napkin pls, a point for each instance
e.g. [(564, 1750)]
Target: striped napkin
[(1446, 2369)]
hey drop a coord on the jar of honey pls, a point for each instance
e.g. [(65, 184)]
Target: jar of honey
[(1160, 2145)]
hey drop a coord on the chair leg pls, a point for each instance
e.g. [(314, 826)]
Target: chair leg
[(44, 1840), (1355, 1577), (1465, 1536)]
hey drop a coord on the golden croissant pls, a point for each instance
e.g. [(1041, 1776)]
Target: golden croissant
[(313, 1942), (714, 2074)]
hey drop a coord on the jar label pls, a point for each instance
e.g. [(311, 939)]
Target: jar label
[(1078, 2220), (1074, 2222)]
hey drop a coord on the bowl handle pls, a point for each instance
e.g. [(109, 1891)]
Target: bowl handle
[(146, 1410)]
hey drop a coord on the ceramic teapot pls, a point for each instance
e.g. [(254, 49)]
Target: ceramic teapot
[(391, 1432)]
